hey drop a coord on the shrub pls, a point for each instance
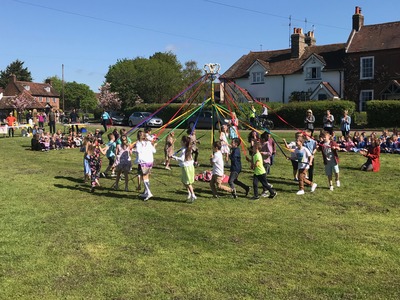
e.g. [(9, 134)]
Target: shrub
[(383, 113)]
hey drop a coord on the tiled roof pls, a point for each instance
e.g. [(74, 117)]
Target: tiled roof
[(37, 89), (375, 37), (280, 62)]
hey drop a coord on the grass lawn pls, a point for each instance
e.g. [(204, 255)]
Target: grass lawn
[(58, 241)]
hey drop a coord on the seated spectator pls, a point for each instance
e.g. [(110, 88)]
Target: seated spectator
[(45, 143), (356, 138), (78, 139), (341, 142), (391, 144), (35, 143)]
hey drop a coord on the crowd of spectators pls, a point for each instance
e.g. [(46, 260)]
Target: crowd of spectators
[(46, 141), (388, 142)]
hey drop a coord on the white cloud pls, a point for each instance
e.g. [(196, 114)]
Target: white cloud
[(172, 48)]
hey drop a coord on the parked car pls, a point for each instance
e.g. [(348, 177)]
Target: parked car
[(205, 120), (118, 118), (138, 117)]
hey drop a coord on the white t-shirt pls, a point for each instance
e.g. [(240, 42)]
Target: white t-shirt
[(302, 157), (145, 151), (218, 164)]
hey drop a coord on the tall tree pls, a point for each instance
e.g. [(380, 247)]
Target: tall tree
[(122, 77), (56, 83), (15, 68), (191, 73), (80, 96), (156, 79)]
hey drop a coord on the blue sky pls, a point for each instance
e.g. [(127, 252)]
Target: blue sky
[(89, 36)]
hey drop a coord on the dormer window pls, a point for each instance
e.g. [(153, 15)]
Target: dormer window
[(257, 77), (47, 89), (313, 73), (27, 87)]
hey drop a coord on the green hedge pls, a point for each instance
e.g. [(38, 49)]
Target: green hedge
[(383, 113)]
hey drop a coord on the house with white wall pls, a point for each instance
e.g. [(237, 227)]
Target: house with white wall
[(303, 72)]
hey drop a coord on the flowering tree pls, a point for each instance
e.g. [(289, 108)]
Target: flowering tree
[(109, 100), (22, 102)]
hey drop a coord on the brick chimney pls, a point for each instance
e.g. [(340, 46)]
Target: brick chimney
[(310, 39), (12, 78), (358, 19), (49, 81), (298, 43)]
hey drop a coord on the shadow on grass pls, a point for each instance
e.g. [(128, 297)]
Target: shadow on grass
[(73, 179)]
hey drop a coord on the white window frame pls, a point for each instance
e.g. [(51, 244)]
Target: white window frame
[(367, 71), (257, 77), (365, 95), (310, 74)]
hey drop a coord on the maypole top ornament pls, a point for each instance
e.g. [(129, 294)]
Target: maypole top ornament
[(211, 68)]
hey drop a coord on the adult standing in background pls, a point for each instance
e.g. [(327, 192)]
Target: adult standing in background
[(73, 119), (328, 122), (309, 121), (105, 119), (52, 121), (10, 120), (345, 123)]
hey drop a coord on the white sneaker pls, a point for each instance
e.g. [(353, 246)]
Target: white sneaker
[(300, 192), (148, 197), (144, 195), (189, 196), (338, 183), (313, 187), (331, 188)]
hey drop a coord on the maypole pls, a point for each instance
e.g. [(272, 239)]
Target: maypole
[(212, 70)]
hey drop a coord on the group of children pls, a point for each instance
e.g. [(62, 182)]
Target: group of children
[(303, 151), (45, 141), (120, 148)]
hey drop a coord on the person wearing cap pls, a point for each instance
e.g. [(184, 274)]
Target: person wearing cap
[(309, 121), (10, 122)]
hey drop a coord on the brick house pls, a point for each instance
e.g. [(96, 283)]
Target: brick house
[(372, 61), (43, 94)]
